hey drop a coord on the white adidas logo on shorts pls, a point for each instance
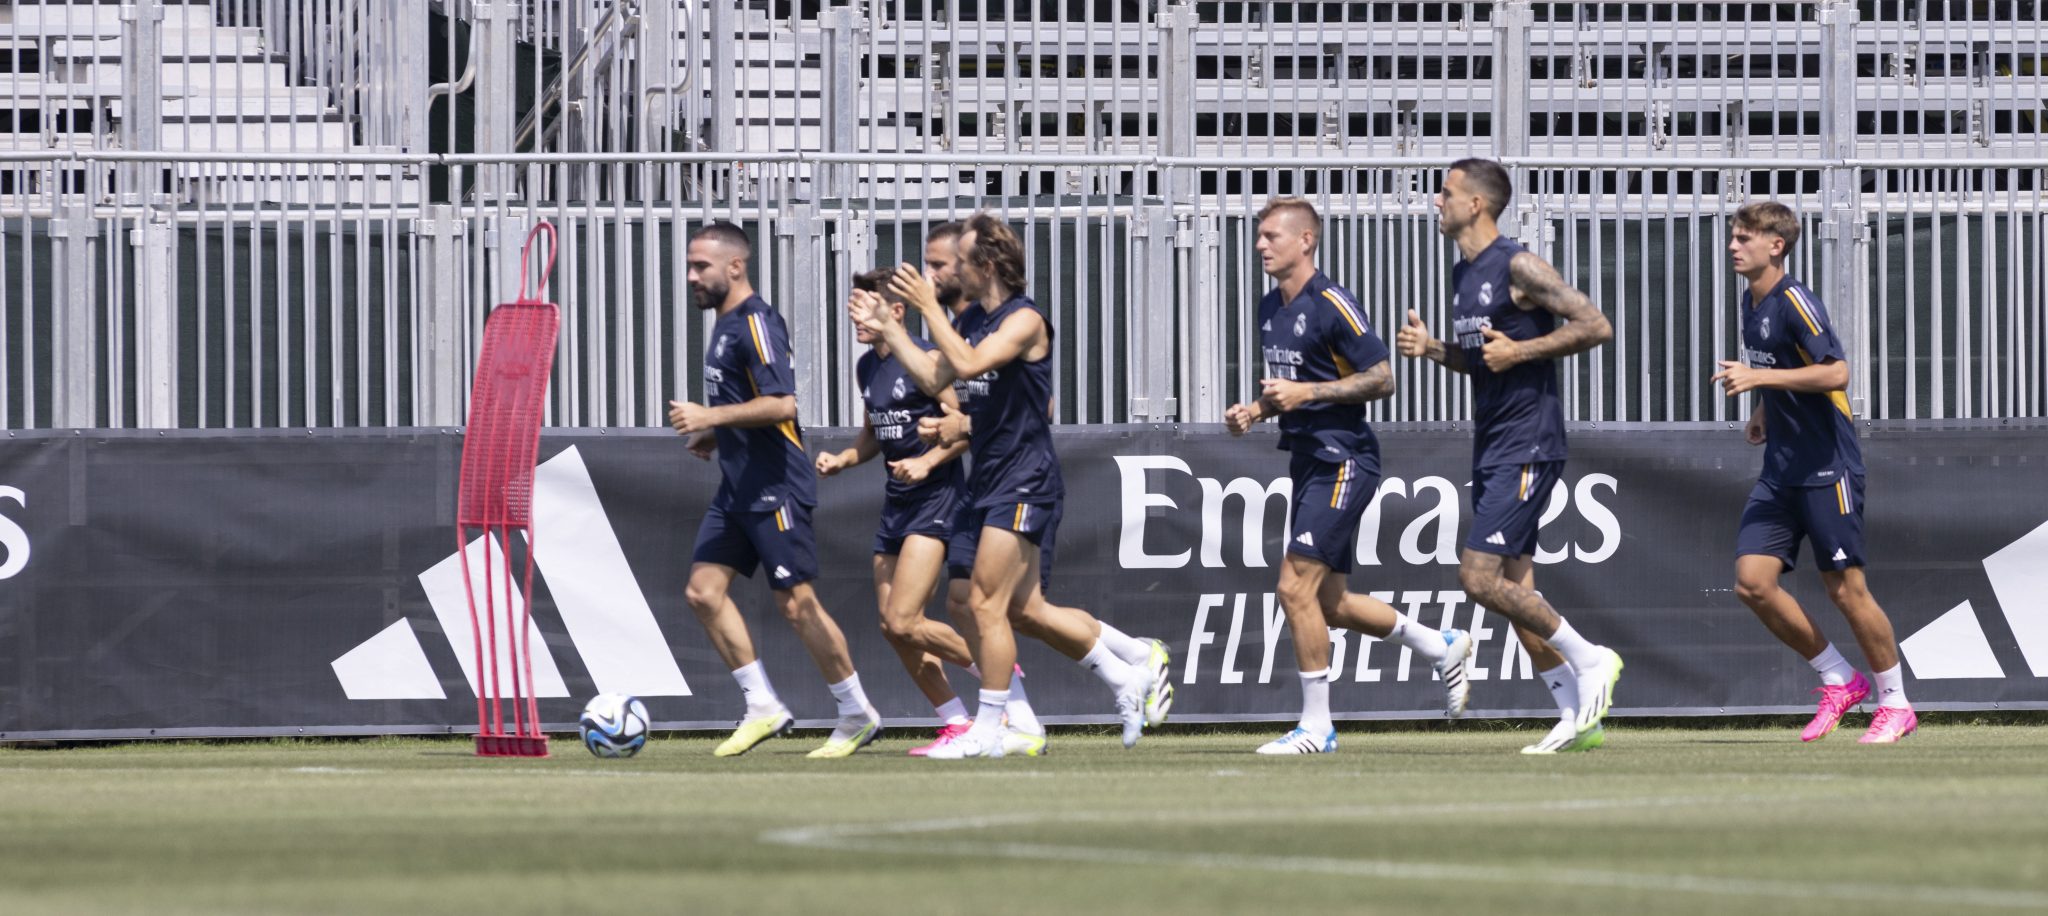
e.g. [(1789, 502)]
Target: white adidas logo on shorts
[(781, 572), (1305, 539), (1840, 555), (1497, 540)]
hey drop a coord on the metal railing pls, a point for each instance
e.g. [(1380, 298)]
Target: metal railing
[(195, 254), (221, 313)]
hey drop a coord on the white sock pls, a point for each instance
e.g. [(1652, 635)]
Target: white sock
[(1582, 654), (1022, 718), (952, 711), (853, 702), (1132, 650), (1315, 703), (1426, 641), (1891, 688), (1107, 666), (1564, 689), (761, 698), (1834, 669), (988, 720)]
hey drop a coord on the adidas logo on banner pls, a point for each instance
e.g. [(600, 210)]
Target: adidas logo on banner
[(608, 619), (1305, 539), (1839, 555), (1496, 539)]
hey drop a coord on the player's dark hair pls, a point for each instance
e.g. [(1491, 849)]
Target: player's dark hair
[(1295, 205), (1490, 180), (1771, 217), (997, 251), (726, 233), (876, 281), (946, 230)]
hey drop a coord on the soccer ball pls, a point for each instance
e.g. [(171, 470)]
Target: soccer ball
[(613, 725)]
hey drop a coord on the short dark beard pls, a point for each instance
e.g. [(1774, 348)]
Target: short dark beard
[(709, 298)]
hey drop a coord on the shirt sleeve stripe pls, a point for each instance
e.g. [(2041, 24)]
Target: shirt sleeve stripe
[(1799, 305), (1357, 326), (760, 347)]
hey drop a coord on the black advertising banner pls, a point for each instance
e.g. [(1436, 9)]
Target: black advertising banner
[(253, 583)]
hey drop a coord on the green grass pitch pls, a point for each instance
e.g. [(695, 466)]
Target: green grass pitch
[(1955, 820)]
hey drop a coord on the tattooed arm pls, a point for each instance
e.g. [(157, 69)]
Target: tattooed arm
[(1538, 285)]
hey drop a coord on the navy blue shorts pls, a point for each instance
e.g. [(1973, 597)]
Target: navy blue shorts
[(1776, 518), (1329, 498), (1507, 506), (781, 540), (1043, 520), (929, 514)]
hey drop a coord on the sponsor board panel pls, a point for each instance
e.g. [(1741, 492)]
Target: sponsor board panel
[(268, 583)]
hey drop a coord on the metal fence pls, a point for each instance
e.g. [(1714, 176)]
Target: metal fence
[(305, 221)]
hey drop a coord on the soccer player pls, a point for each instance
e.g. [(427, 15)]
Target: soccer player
[(1026, 735), (925, 488), (761, 514), (1811, 486), (1506, 306), (1323, 363), (1015, 482)]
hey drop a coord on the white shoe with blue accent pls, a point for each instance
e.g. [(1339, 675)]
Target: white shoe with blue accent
[(1450, 669), (1300, 741)]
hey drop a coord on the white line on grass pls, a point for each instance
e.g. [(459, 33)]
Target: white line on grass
[(872, 838)]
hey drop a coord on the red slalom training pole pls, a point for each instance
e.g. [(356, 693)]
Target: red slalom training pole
[(499, 446)]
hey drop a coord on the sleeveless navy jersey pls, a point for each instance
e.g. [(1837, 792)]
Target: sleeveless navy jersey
[(763, 467), (965, 323), (1809, 438), (895, 404), (1321, 336), (1012, 445), (1517, 416)]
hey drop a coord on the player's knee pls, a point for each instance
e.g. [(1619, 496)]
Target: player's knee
[(796, 607), (1845, 593), (1754, 590), (899, 630), (704, 597), (1297, 593), (1481, 585)]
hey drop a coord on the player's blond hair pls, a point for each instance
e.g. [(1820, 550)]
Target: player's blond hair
[(1771, 217), (1298, 205)]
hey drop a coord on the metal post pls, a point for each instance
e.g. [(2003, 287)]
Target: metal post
[(441, 316), (841, 95), (1206, 396), (142, 95), (1177, 108), (74, 351), (496, 90), (404, 76), (800, 293), (1511, 22), (722, 133), (660, 71), (1843, 235), (504, 237), (156, 323), (1150, 373)]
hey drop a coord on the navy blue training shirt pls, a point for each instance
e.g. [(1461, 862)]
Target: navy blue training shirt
[(1809, 438), (1518, 417), (1321, 336), (895, 404), (765, 467)]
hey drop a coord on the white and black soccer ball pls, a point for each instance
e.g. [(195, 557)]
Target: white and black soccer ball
[(613, 725)]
